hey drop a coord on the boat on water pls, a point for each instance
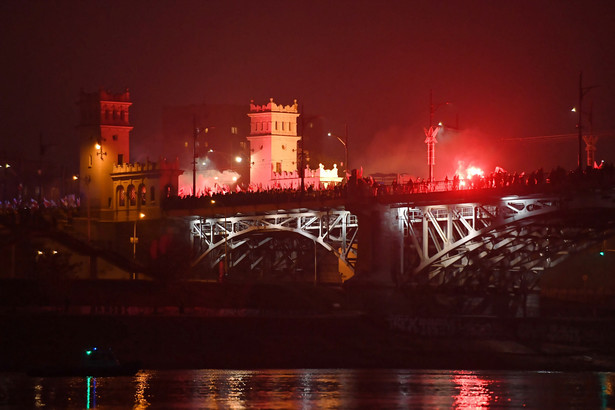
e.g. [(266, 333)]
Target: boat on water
[(95, 362)]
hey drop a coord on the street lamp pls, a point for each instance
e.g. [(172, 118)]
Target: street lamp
[(196, 132), (431, 135), (582, 92), (99, 149), (238, 159), (134, 240), (345, 144), (75, 184), (6, 167)]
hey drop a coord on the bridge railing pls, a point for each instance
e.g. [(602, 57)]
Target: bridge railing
[(558, 180), (278, 196)]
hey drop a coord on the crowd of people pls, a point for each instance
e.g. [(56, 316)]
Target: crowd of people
[(537, 180), (359, 186), (260, 196)]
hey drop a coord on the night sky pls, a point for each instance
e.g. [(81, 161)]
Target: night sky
[(510, 69)]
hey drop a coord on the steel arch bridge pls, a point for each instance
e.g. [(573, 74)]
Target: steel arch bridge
[(473, 241), (237, 239), (502, 243)]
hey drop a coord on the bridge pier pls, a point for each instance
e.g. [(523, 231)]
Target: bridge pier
[(380, 243)]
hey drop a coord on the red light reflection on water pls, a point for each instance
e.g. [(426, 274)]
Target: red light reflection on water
[(474, 392)]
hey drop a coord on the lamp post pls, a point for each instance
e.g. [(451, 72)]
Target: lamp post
[(6, 167), (196, 132), (134, 239), (431, 135), (582, 92), (301, 158), (345, 144)]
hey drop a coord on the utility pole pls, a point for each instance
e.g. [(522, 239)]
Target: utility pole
[(301, 158), (348, 170), (195, 134), (591, 139), (580, 122), (582, 92)]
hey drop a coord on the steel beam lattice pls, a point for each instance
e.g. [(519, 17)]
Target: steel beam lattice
[(504, 243), (334, 230)]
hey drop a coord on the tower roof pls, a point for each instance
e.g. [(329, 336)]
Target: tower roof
[(103, 95), (273, 107)]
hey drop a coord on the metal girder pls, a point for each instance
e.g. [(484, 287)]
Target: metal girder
[(505, 243), (334, 230)]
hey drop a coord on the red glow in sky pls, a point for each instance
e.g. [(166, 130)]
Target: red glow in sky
[(508, 69)]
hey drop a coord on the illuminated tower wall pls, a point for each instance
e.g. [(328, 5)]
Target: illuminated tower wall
[(104, 120), (273, 141)]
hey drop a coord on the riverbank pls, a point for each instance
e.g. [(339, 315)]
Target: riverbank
[(244, 326), (303, 341)]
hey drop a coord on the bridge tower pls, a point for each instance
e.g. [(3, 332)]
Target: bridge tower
[(104, 138), (273, 141)]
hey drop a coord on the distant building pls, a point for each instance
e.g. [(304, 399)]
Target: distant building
[(274, 160), (113, 188), (214, 136)]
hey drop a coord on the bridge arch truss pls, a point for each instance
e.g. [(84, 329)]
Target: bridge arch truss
[(503, 243), (216, 237)]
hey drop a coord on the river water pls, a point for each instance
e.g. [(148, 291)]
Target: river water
[(305, 388)]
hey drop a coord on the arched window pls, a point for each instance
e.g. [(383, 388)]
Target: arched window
[(120, 196), (142, 194), (168, 191), (152, 194), (132, 195)]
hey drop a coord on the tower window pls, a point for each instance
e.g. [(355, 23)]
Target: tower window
[(132, 195), (278, 167), (115, 138), (120, 159), (142, 194), (234, 130), (121, 199)]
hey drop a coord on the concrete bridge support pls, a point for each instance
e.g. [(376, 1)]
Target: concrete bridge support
[(380, 243)]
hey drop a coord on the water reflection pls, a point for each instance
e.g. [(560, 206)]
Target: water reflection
[(38, 402), (142, 381), (305, 388), (91, 392), (473, 391)]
